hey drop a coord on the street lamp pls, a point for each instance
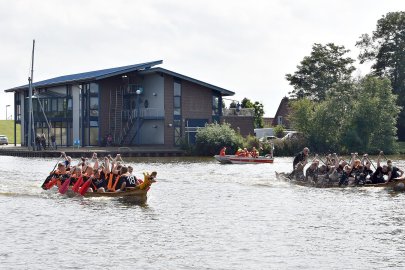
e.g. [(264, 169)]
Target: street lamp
[(6, 110), (138, 112)]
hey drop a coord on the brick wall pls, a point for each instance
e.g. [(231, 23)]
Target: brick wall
[(245, 125)]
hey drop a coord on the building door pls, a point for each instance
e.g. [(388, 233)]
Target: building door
[(192, 125)]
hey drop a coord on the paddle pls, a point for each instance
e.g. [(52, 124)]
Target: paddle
[(371, 163), (77, 185), (83, 189), (65, 186), (44, 184), (51, 183)]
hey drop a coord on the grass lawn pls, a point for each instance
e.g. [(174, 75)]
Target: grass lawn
[(7, 128)]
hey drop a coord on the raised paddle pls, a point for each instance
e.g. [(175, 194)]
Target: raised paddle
[(371, 163)]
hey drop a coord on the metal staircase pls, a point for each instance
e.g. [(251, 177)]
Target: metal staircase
[(116, 103)]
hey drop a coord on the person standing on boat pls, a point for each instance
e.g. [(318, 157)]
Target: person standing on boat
[(222, 152), (301, 157)]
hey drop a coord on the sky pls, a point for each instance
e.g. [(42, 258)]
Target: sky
[(243, 46)]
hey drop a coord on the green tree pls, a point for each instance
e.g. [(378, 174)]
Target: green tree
[(211, 138), (246, 103), (386, 49), (357, 116), (317, 73), (258, 111)]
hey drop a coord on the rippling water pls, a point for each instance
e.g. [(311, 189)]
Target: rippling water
[(199, 215)]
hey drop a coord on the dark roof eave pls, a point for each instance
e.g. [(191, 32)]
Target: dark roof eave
[(223, 91), (129, 70), (88, 79)]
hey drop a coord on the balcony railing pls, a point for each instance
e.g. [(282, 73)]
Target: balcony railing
[(148, 113), (241, 112)]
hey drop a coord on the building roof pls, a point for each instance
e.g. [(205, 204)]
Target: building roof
[(92, 76), (223, 91), (88, 76)]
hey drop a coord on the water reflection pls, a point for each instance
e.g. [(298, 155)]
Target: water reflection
[(199, 215)]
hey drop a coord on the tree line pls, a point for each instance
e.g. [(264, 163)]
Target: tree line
[(337, 112)]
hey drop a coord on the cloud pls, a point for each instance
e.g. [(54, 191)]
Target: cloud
[(246, 47)]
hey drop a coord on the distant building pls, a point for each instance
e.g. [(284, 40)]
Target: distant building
[(135, 105), (281, 117), (240, 119), (268, 121)]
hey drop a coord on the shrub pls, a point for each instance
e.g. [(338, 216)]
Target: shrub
[(211, 138), (279, 131)]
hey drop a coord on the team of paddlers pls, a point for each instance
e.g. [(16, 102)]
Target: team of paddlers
[(334, 169), (242, 152), (91, 175)]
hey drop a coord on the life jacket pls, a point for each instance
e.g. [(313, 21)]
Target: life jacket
[(222, 152), (116, 182)]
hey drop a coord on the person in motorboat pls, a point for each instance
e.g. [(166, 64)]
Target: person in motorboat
[(222, 152), (254, 153)]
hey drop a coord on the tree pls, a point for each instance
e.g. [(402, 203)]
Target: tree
[(211, 138), (386, 49), (259, 111), (318, 72), (246, 103), (356, 116)]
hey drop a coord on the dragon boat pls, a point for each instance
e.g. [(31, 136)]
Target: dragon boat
[(397, 184), (136, 194), (234, 159)]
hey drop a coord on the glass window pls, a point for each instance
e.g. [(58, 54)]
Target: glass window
[(70, 104), (94, 106), (177, 135), (61, 105), (94, 136), (54, 105), (93, 88), (94, 123), (94, 103), (177, 89), (177, 102), (177, 111)]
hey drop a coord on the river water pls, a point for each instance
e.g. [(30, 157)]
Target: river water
[(199, 215)]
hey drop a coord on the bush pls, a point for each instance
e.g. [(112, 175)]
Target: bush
[(289, 147), (279, 131), (211, 138)]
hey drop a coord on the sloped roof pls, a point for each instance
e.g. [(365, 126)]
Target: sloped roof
[(88, 76), (223, 91)]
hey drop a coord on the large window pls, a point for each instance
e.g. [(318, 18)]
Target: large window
[(177, 98), (177, 113), (90, 112)]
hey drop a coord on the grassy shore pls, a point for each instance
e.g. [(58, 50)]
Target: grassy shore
[(7, 128)]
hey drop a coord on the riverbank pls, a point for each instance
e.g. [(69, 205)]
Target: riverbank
[(20, 151)]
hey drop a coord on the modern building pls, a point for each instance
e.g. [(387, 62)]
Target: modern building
[(132, 105)]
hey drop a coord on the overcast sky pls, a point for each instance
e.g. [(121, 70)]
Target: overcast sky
[(243, 46)]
